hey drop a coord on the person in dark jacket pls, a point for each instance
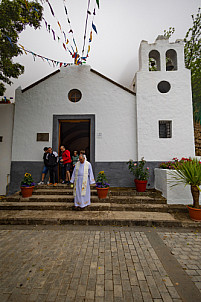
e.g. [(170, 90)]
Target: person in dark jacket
[(51, 161), (45, 168)]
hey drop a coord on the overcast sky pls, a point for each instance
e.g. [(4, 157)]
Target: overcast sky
[(121, 25)]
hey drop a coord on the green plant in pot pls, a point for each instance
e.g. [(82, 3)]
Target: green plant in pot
[(27, 185), (140, 172), (102, 185), (188, 172)]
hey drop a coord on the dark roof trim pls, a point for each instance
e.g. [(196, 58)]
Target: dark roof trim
[(41, 80), (92, 70), (113, 82)]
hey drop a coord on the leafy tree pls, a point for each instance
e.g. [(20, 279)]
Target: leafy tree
[(192, 52), (168, 33), (15, 15)]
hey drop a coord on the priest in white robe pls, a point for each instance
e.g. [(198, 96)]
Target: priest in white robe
[(82, 178)]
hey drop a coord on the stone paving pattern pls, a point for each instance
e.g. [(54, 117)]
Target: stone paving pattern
[(61, 266), (186, 247)]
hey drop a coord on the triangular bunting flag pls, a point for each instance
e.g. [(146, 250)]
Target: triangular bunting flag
[(94, 28), (59, 25), (23, 48), (53, 34), (51, 7), (9, 39), (90, 38)]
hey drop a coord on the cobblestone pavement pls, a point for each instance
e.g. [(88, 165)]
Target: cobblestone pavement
[(61, 265), (186, 247)]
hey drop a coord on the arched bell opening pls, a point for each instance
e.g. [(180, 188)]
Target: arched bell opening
[(154, 61), (171, 60)]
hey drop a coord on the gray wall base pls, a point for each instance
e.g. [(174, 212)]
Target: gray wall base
[(117, 173), (19, 168)]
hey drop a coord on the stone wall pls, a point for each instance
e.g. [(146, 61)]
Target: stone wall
[(197, 129)]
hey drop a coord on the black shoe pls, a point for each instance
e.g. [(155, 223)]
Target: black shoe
[(74, 208)]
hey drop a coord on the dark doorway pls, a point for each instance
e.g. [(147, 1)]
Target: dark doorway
[(75, 135)]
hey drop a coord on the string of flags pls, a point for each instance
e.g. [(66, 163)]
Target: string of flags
[(88, 13), (66, 37), (69, 24), (64, 34), (74, 53), (78, 60), (93, 27), (70, 35), (54, 62)]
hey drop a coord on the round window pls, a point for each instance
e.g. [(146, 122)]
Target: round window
[(164, 86), (74, 95)]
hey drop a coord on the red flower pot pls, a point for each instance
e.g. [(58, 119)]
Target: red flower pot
[(27, 191), (102, 192), (195, 214), (140, 185)]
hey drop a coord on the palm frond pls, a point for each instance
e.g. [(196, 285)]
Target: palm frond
[(187, 173)]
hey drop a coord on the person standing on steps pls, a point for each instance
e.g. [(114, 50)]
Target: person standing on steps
[(45, 168), (82, 178), (66, 161), (75, 158), (51, 161)]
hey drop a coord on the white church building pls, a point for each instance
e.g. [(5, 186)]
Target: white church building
[(80, 108)]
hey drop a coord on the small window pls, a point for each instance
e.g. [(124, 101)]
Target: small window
[(164, 87), (165, 129), (42, 137), (1, 139), (74, 95)]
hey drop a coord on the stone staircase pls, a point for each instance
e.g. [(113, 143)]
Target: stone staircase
[(123, 206)]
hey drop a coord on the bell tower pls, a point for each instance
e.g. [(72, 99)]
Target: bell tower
[(164, 102)]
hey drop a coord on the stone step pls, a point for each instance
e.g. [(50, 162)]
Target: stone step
[(137, 199), (64, 206), (59, 191), (117, 218), (66, 190), (94, 199)]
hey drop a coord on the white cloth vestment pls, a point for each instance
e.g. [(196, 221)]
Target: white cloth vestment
[(82, 183)]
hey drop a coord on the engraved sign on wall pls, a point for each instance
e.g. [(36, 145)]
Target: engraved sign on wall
[(42, 137)]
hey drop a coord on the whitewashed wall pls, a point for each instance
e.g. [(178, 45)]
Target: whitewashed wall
[(179, 194), (152, 106), (114, 110), (6, 131)]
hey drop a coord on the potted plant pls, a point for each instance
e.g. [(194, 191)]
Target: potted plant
[(188, 172), (27, 185), (102, 185), (140, 172)]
